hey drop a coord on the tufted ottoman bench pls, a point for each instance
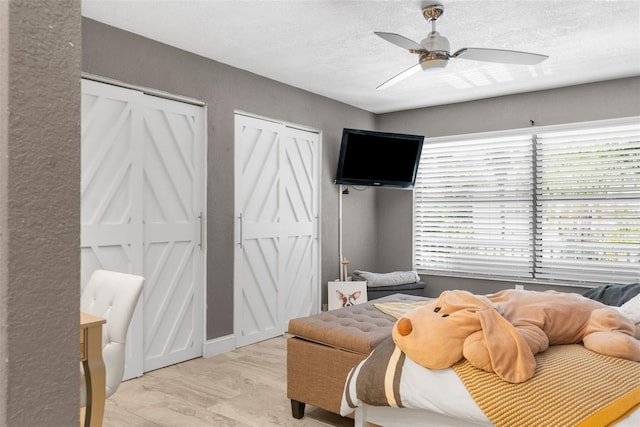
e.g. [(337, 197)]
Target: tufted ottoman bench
[(324, 347)]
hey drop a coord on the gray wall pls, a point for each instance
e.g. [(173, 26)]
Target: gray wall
[(39, 212), (394, 228), (597, 101), (123, 56), (377, 229)]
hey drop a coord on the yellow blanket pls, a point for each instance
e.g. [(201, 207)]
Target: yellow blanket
[(397, 309), (572, 387)]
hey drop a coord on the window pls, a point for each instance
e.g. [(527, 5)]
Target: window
[(560, 204)]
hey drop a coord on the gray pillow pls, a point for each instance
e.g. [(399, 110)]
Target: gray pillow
[(615, 294)]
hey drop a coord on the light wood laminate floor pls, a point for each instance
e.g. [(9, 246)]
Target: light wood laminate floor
[(245, 387)]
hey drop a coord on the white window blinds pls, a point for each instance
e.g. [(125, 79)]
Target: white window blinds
[(588, 196), (474, 210), (560, 205)]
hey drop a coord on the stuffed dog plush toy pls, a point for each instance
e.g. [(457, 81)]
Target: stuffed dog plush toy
[(502, 332)]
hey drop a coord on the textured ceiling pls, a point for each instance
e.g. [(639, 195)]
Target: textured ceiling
[(328, 47)]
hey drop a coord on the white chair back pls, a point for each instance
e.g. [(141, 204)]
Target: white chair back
[(112, 296)]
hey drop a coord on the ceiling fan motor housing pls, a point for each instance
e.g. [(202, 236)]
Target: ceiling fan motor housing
[(437, 55), (436, 43)]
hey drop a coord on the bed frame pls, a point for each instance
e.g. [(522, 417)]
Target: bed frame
[(406, 417)]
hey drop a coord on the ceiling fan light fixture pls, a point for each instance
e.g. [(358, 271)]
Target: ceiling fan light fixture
[(434, 61), (434, 64)]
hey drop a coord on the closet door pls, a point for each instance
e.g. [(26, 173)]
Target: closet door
[(111, 184), (300, 177), (276, 258), (142, 212), (173, 197)]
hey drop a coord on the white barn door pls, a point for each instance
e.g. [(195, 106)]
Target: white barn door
[(173, 212), (110, 184), (277, 259), (142, 203)]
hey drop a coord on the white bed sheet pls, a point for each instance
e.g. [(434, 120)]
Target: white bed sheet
[(436, 395), (438, 391)]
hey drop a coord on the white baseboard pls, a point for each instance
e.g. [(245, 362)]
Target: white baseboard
[(219, 345)]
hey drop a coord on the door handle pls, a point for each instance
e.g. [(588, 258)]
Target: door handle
[(202, 236), (240, 226)]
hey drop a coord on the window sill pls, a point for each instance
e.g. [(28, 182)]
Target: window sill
[(511, 281)]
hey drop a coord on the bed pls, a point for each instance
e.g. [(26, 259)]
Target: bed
[(571, 386), (439, 397)]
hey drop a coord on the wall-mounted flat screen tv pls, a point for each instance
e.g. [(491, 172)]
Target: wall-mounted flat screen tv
[(378, 158)]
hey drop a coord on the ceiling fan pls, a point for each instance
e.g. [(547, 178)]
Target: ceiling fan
[(434, 50)]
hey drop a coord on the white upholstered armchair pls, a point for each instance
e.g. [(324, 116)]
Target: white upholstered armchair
[(112, 296)]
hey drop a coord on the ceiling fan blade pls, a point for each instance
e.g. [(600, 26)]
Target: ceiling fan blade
[(500, 55), (399, 77), (400, 41)]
